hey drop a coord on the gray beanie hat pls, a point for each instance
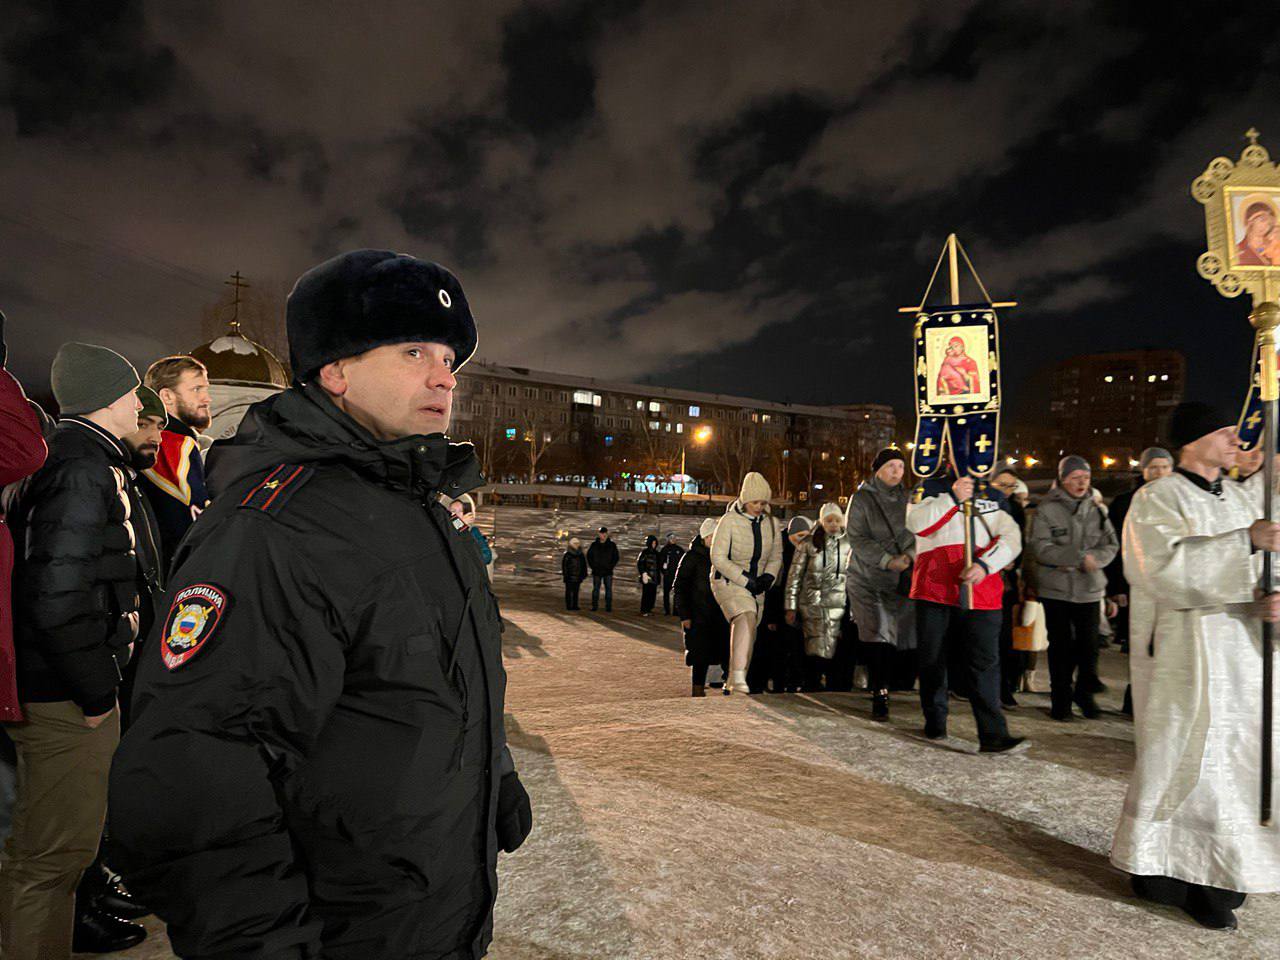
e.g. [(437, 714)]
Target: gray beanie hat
[(87, 378), (1153, 453), (1070, 464), (798, 525)]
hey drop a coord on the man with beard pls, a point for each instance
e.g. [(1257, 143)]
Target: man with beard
[(317, 764), (177, 489)]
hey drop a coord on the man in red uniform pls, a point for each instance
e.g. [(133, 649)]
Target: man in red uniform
[(176, 486)]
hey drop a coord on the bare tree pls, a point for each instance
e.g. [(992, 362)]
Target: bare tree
[(736, 451), (539, 434)]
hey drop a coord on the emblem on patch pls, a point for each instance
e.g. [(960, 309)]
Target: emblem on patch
[(196, 612)]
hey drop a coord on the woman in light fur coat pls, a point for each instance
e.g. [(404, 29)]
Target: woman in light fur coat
[(816, 592), (746, 558)]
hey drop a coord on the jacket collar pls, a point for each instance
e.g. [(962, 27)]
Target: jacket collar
[(106, 439), (177, 426), (1214, 487)]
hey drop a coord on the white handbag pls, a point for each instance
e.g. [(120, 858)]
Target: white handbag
[(1029, 631)]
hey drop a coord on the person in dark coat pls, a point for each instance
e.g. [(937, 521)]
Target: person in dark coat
[(75, 617), (1013, 663), (706, 632), (602, 558), (669, 560), (778, 661), (573, 568), (648, 565), (317, 764)]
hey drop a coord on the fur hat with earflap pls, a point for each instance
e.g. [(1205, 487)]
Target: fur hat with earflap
[(755, 487)]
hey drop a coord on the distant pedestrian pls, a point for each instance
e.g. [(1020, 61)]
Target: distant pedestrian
[(706, 632), (573, 567), (1069, 543), (746, 552), (669, 561), (648, 565), (464, 508), (602, 557)]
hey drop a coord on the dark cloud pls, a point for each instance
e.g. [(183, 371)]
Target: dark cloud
[(728, 196), (73, 63)]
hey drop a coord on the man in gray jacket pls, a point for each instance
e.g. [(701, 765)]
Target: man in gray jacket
[(1070, 542)]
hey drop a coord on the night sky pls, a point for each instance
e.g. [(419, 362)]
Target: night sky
[(720, 196)]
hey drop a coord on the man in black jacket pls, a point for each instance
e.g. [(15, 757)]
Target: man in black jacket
[(602, 557), (76, 616), (669, 560), (317, 763)]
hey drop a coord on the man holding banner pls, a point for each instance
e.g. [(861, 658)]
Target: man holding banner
[(937, 518)]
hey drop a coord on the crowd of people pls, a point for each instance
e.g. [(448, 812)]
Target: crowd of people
[(270, 693), (885, 582)]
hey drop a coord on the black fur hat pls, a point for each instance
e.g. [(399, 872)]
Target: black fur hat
[(370, 298)]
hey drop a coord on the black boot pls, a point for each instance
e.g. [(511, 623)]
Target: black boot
[(880, 706), (1088, 706), (1213, 908), (102, 890), (99, 932)]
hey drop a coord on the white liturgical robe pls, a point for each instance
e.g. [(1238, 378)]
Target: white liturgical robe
[(1195, 661)]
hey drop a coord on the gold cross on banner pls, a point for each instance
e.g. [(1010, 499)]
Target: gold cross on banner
[(928, 446), (982, 443), (1253, 419)]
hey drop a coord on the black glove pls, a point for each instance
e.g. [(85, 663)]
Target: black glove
[(515, 814), (753, 586), (765, 582)]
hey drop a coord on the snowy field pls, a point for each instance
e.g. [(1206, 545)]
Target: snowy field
[(792, 826)]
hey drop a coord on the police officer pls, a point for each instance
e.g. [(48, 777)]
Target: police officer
[(317, 762)]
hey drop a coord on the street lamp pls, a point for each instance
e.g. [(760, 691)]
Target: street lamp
[(1108, 462), (700, 436)]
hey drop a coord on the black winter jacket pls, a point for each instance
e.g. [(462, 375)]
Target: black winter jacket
[(317, 768), (573, 566), (669, 560), (602, 557), (76, 593), (707, 640), (648, 562)]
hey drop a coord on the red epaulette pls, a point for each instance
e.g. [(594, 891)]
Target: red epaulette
[(275, 489)]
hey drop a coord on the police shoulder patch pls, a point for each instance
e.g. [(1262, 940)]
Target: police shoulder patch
[(274, 490), (196, 613)]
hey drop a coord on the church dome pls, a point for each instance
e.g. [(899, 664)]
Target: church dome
[(234, 358)]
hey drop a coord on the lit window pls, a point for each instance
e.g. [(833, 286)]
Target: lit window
[(608, 441), (546, 437), (639, 404), (679, 428), (1108, 378), (668, 428), (511, 433), (654, 425), (1151, 378), (1164, 376), (695, 411), (654, 406)]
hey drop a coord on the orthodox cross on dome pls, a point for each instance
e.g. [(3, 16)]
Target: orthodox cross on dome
[(1253, 135), (238, 283)]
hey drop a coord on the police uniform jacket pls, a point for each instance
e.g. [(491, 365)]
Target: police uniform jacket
[(315, 760)]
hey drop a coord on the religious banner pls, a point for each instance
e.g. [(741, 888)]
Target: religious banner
[(1242, 226), (957, 351)]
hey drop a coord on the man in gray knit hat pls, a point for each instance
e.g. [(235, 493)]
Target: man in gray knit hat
[(1069, 543), (75, 618)]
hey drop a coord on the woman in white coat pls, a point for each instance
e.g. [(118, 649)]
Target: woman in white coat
[(746, 558)]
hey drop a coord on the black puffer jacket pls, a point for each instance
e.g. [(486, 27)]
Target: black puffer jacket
[(649, 561), (76, 595), (317, 761), (573, 566), (602, 557), (707, 640)]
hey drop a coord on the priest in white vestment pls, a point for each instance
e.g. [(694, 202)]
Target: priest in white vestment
[(1190, 834)]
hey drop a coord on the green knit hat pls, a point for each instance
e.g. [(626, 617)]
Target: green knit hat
[(86, 378), (152, 405)]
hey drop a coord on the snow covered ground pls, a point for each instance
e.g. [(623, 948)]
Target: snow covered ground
[(792, 826)]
